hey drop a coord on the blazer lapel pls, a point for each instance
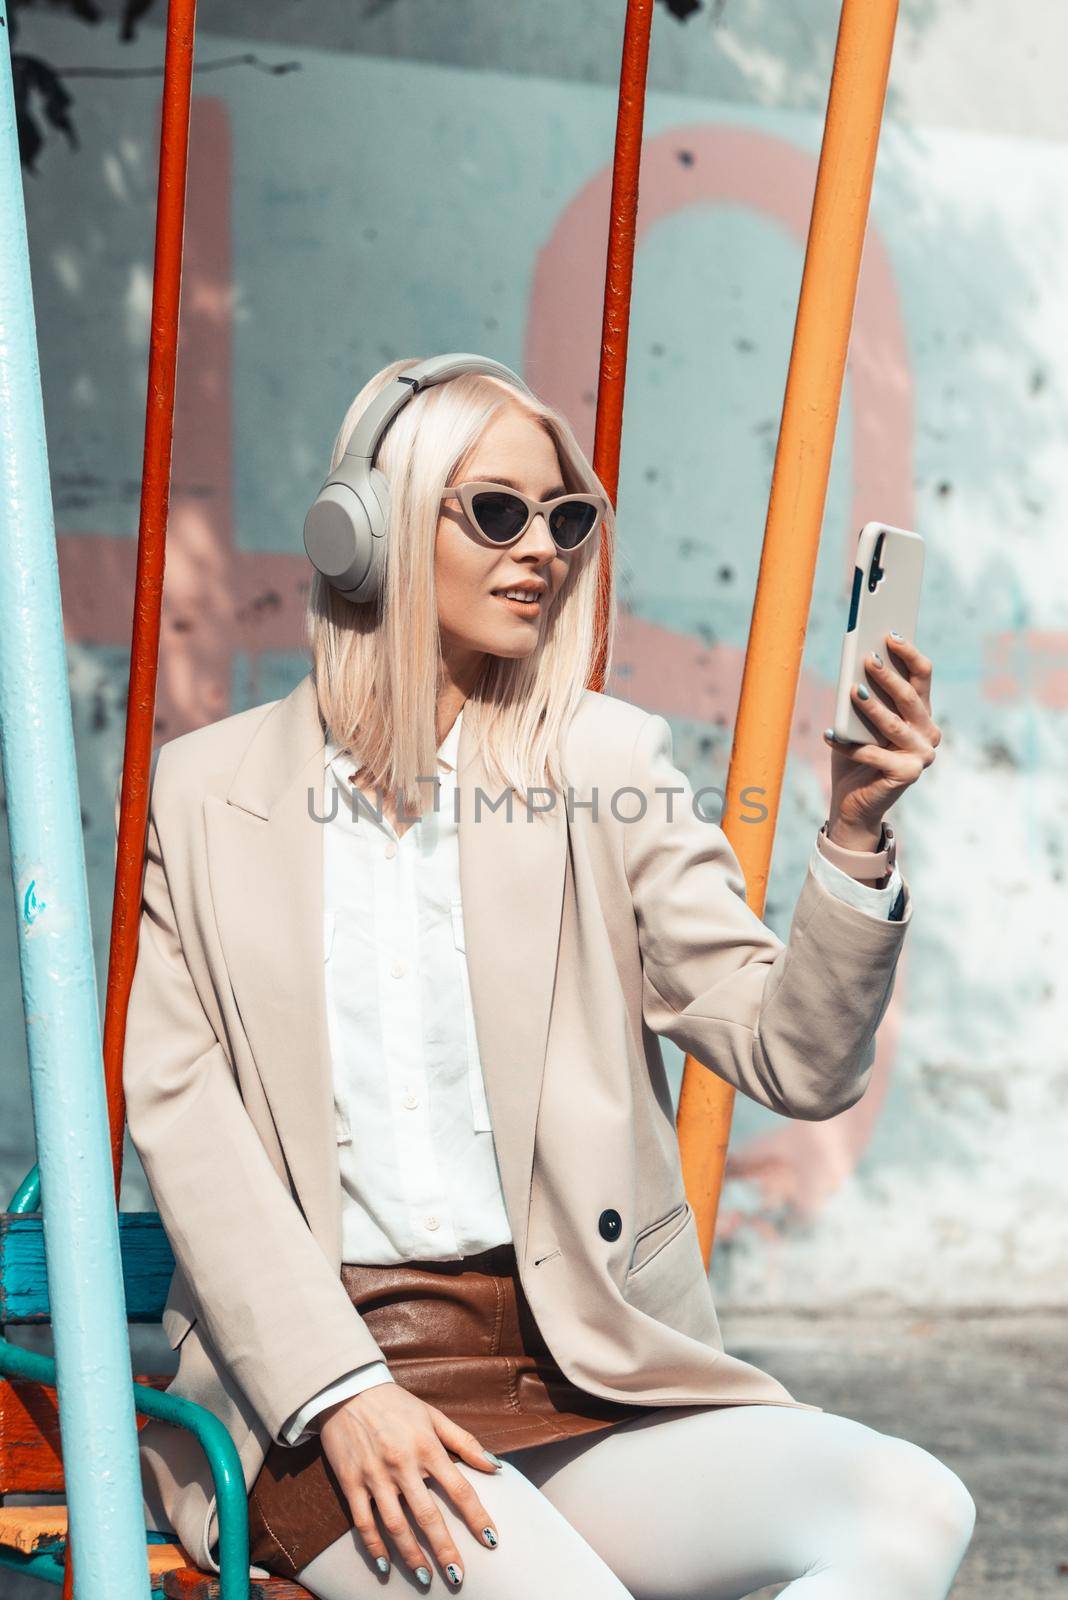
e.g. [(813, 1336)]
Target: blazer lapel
[(265, 857), (511, 882), (265, 852)]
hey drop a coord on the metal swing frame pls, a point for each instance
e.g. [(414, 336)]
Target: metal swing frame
[(127, 1258)]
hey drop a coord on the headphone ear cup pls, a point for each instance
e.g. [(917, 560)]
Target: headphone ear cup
[(377, 502), (345, 530)]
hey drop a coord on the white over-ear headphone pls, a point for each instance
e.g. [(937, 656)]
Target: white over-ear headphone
[(345, 530)]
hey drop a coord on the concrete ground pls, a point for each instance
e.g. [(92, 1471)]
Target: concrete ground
[(987, 1394)]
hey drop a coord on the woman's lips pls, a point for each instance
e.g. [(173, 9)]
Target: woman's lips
[(522, 608)]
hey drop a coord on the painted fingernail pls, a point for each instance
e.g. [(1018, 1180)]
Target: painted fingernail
[(454, 1573), (497, 1462), (383, 1566), (894, 634), (490, 1537), (877, 658), (828, 733), (862, 692), (423, 1574)]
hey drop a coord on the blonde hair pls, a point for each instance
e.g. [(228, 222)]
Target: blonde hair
[(377, 665)]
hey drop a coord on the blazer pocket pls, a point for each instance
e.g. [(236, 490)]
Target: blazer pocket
[(651, 1239), (670, 1282)]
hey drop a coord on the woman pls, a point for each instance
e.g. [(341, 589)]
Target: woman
[(393, 1073)]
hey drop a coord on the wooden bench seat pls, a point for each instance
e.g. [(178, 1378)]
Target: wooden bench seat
[(31, 1461)]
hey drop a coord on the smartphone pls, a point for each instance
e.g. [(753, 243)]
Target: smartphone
[(886, 594)]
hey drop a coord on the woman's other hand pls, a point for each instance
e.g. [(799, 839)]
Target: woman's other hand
[(866, 779), (382, 1443)]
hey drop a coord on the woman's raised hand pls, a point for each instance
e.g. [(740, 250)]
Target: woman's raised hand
[(866, 779), (382, 1443)]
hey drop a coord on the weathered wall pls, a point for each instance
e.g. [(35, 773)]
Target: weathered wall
[(425, 176)]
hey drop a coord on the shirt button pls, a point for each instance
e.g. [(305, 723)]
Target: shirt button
[(411, 1100), (391, 850), (431, 1222), (397, 969)]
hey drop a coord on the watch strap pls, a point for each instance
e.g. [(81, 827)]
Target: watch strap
[(865, 865)]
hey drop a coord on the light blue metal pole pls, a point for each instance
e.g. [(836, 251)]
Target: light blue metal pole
[(95, 1380)]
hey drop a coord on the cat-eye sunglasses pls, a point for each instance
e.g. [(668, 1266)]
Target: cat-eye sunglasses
[(503, 515)]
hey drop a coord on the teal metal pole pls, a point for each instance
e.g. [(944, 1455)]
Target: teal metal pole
[(59, 993), (223, 1459)]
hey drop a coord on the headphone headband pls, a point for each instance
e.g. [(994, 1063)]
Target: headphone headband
[(367, 434)]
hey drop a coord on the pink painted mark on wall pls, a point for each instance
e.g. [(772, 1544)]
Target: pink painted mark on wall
[(795, 1167), (1031, 664)]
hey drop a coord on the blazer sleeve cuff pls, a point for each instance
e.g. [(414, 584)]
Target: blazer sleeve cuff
[(865, 896), (297, 1428)]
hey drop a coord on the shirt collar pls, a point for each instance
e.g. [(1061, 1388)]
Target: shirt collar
[(448, 749)]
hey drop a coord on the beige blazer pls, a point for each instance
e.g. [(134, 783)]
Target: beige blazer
[(587, 937)]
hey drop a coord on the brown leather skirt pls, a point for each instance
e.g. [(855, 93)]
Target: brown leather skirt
[(459, 1334)]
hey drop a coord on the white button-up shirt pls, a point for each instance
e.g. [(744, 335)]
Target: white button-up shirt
[(418, 1164)]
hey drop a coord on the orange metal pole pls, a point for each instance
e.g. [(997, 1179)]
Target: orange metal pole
[(619, 275), (795, 515), (148, 595), (151, 546)]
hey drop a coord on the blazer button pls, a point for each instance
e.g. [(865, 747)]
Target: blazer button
[(610, 1224)]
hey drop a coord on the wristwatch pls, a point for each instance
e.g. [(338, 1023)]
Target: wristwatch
[(863, 864)]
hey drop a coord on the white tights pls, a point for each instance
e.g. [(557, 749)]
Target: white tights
[(696, 1503)]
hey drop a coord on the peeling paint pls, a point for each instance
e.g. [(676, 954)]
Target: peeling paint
[(31, 905)]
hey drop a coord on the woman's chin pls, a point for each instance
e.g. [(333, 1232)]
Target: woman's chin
[(514, 644)]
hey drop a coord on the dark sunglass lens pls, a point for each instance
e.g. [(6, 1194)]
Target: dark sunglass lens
[(571, 522), (499, 515)]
